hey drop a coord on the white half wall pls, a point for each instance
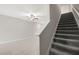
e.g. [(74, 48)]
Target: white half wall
[(75, 11), (47, 35)]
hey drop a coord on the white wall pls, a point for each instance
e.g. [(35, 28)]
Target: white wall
[(17, 35), (14, 29), (65, 8), (76, 6), (22, 10)]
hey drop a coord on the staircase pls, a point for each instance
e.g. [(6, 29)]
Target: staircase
[(66, 40)]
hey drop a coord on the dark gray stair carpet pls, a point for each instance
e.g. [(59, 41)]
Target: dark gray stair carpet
[(66, 40)]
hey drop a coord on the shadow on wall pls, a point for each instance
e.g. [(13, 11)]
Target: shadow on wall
[(47, 35)]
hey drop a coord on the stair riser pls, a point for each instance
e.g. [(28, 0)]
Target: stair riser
[(67, 42), (67, 28), (65, 23), (74, 52), (69, 37), (62, 32)]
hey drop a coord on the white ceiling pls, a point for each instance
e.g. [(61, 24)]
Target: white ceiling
[(22, 10)]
